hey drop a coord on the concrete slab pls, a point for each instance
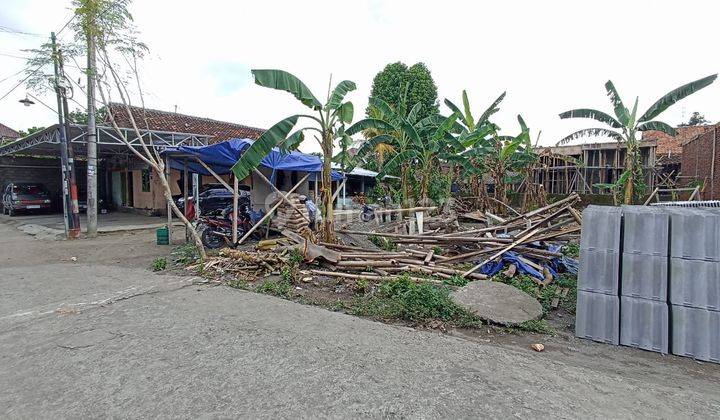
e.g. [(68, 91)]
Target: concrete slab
[(497, 302)]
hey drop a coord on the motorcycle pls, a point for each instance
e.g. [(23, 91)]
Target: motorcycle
[(217, 229)]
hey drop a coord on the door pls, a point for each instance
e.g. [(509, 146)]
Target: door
[(116, 189)]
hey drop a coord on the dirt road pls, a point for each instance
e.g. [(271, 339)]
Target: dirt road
[(103, 336)]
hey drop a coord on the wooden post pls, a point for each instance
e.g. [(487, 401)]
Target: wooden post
[(235, 209), (272, 210), (185, 196), (283, 196), (169, 208)]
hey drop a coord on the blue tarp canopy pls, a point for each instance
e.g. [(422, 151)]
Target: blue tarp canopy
[(220, 157)]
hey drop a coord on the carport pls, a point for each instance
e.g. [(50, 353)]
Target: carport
[(112, 149)]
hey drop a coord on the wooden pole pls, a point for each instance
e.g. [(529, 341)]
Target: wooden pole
[(502, 251), (283, 196), (235, 209), (169, 206), (215, 175), (272, 210), (185, 196)]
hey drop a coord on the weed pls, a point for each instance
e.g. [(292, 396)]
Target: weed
[(295, 257), (186, 254), (438, 250), (404, 299), (571, 250), (545, 295), (362, 286), (238, 284), (383, 242), (281, 288), (159, 264), (456, 280), (539, 326)]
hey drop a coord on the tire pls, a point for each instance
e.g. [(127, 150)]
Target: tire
[(210, 240)]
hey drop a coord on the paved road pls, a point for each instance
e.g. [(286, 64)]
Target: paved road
[(105, 337)]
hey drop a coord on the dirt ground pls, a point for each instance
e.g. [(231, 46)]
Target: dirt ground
[(103, 336)]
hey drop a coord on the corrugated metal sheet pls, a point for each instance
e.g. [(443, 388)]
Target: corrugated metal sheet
[(695, 283), (694, 234), (601, 228), (598, 317), (644, 324), (696, 333), (599, 271), (645, 230)]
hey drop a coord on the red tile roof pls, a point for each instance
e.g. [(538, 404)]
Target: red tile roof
[(669, 147), (8, 133), (180, 123)]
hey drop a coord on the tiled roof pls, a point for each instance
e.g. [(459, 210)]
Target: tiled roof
[(180, 123), (8, 133), (668, 146)]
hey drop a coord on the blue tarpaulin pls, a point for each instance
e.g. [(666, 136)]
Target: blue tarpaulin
[(220, 157), (555, 265)]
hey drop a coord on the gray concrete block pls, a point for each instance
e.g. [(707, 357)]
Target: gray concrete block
[(599, 271), (598, 317), (644, 276), (695, 283), (694, 233), (696, 333), (645, 230), (644, 324), (601, 228)]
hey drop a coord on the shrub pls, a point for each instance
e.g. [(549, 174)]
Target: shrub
[(159, 264)]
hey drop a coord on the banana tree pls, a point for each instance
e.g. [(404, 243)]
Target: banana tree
[(625, 125), (395, 130), (327, 121)]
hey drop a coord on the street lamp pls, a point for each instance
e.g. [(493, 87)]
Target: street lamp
[(26, 101)]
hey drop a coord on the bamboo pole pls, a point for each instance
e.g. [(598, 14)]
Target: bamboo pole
[(283, 196), (502, 251), (269, 213)]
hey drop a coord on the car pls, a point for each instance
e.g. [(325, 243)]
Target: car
[(215, 197), (29, 196)]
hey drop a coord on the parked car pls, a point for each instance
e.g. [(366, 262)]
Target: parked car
[(214, 198), (30, 196)]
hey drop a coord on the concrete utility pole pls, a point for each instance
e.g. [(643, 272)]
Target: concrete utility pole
[(71, 219), (92, 209)]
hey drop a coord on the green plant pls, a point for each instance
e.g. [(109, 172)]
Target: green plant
[(362, 286), (539, 326), (295, 257), (625, 125), (383, 242), (238, 284), (571, 250), (159, 264), (328, 122), (402, 298), (456, 280), (438, 250), (397, 80), (186, 254), (281, 288)]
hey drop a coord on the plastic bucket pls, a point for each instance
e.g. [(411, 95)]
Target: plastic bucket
[(163, 236)]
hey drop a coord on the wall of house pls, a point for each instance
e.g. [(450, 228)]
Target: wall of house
[(701, 162), (154, 199)]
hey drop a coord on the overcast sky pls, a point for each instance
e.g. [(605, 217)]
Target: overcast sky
[(550, 56)]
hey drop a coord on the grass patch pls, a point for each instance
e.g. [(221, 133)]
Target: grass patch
[(545, 295), (238, 284), (159, 264), (539, 326), (571, 250), (420, 303), (280, 288), (383, 242), (456, 280), (185, 255)]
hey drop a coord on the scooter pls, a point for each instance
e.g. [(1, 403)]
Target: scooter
[(217, 230)]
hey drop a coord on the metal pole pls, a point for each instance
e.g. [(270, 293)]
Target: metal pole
[(91, 142), (185, 197), (65, 167)]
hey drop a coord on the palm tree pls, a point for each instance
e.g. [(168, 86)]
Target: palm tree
[(329, 122), (625, 126)]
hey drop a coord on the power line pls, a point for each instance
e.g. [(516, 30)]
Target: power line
[(20, 83), (12, 75), (9, 30), (14, 56)]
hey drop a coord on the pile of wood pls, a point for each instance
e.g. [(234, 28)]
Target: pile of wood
[(245, 263), (293, 215)]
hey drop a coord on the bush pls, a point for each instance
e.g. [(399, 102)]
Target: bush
[(404, 299), (159, 264), (281, 288)]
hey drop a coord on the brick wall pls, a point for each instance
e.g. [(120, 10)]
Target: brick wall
[(698, 158)]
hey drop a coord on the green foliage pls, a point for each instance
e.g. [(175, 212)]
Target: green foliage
[(571, 250), (415, 82), (31, 130), (186, 254), (159, 264), (383, 242), (545, 295), (238, 284), (404, 299), (438, 250), (280, 288), (539, 326), (695, 119), (456, 280), (295, 257), (362, 286)]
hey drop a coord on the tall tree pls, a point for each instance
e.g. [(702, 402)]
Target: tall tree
[(695, 119), (415, 83), (328, 121), (626, 124)]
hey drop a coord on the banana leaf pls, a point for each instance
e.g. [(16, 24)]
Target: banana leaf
[(275, 136), (594, 114), (338, 94), (675, 95), (282, 80)]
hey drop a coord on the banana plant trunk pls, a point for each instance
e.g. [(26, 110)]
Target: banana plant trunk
[(327, 196), (404, 184), (630, 168)]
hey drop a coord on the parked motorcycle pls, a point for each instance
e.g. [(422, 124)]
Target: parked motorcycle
[(216, 230)]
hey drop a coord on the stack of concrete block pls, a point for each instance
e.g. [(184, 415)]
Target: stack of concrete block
[(644, 314), (598, 305), (695, 283)]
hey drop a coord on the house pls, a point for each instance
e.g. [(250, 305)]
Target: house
[(669, 149), (700, 160), (7, 134)]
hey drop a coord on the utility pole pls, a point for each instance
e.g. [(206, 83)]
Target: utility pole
[(91, 142), (72, 224)]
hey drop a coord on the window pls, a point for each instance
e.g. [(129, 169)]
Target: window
[(145, 180)]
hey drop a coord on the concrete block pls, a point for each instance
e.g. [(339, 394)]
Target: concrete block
[(645, 230), (694, 233), (644, 324), (695, 283), (696, 333), (601, 228), (598, 317), (599, 271), (644, 276)]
